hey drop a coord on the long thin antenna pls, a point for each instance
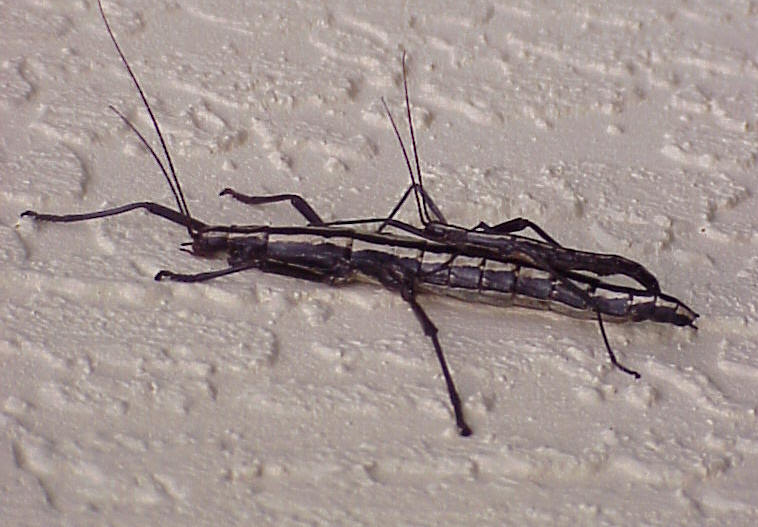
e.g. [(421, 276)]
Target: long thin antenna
[(176, 188), (420, 189), (413, 186), (150, 149)]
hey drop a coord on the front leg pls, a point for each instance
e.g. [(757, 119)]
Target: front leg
[(298, 202), (200, 277), (153, 208)]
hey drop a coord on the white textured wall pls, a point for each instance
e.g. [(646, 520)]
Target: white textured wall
[(625, 127)]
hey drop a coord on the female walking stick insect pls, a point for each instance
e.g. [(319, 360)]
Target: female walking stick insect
[(488, 264)]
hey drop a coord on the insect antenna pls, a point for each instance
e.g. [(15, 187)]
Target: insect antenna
[(413, 186), (149, 148), (420, 194), (424, 202), (170, 175)]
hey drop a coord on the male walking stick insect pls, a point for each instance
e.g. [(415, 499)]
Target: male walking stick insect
[(488, 264)]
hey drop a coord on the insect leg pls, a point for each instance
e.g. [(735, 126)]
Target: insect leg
[(267, 266), (515, 225), (390, 220), (415, 187), (200, 277), (302, 206), (591, 302), (596, 308), (296, 201), (430, 330), (612, 355), (152, 208)]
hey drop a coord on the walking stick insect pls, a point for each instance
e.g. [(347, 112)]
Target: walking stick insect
[(488, 264)]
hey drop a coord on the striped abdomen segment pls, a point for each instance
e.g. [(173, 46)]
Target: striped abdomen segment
[(579, 296)]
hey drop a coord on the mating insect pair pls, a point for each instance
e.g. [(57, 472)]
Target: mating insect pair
[(485, 263)]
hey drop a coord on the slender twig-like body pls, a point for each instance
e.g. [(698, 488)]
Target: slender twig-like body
[(488, 264)]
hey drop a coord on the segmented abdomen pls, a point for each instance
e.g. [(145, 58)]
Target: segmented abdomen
[(516, 285)]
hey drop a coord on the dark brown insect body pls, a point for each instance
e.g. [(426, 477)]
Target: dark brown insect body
[(488, 264)]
